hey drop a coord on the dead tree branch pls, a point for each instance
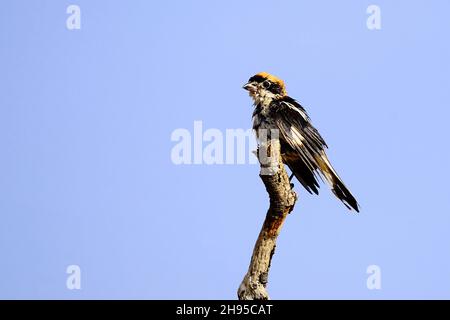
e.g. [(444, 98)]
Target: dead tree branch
[(282, 201)]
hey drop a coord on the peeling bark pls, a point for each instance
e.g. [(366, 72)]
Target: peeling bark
[(282, 201)]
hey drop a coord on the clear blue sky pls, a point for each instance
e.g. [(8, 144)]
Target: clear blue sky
[(86, 176)]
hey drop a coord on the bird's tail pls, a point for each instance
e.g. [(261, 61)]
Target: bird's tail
[(337, 185)]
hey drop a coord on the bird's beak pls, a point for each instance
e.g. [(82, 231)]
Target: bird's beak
[(249, 87)]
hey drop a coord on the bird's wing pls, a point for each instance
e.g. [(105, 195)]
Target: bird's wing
[(297, 131)]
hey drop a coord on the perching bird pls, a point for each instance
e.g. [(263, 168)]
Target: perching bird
[(302, 147)]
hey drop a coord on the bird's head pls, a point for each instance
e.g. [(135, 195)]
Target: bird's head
[(264, 87)]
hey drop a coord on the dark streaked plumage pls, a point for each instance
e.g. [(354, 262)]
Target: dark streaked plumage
[(302, 147)]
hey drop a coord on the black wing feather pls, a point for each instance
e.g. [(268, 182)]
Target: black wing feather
[(305, 150)]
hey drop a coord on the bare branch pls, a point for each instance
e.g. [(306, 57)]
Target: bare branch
[(282, 201)]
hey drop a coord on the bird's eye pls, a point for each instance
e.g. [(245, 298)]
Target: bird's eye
[(266, 84)]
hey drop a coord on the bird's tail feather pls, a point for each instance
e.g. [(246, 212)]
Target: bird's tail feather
[(337, 185)]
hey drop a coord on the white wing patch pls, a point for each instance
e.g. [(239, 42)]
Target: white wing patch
[(297, 135), (301, 112)]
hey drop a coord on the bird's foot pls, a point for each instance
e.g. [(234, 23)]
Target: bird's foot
[(290, 179)]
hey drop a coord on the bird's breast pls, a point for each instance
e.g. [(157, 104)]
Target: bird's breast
[(263, 124)]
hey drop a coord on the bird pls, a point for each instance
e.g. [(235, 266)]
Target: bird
[(303, 149)]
